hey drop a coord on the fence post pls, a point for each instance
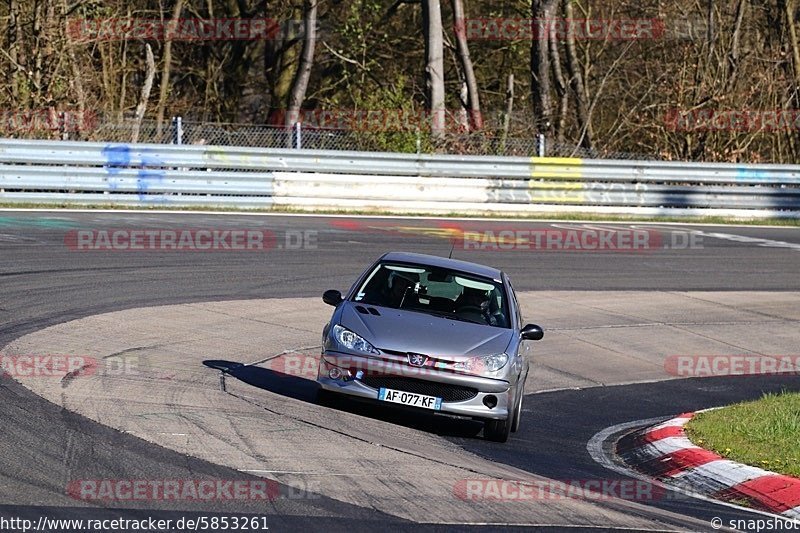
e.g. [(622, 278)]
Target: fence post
[(541, 145), (62, 126), (177, 130), (298, 136)]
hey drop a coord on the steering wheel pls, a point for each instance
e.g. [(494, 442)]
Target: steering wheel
[(471, 312)]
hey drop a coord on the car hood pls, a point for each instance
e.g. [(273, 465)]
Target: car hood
[(409, 331)]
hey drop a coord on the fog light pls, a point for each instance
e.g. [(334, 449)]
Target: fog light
[(490, 401), (335, 373)]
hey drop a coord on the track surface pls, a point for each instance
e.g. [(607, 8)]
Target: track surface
[(45, 283)]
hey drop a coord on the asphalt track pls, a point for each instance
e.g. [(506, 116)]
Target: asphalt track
[(44, 283)]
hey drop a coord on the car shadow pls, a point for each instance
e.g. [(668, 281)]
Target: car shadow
[(305, 390)]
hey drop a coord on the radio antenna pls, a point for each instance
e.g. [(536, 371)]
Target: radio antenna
[(451, 249)]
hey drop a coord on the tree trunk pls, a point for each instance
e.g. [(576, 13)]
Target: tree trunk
[(38, 45), (16, 53), (473, 100), (434, 65), (578, 85), (76, 81), (166, 68), (300, 84), (146, 88), (542, 11), (561, 89), (507, 114)]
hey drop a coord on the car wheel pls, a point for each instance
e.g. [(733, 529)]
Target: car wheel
[(326, 397), (497, 430), (518, 410)]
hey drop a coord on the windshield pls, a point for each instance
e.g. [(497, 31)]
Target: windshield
[(436, 291)]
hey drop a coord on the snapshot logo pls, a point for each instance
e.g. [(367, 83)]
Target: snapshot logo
[(379, 120), (204, 490), (522, 29), (47, 119), (187, 240), (732, 365), (501, 490), (742, 120), (186, 29), (62, 365)]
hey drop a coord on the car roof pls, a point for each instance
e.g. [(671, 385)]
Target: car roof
[(443, 262)]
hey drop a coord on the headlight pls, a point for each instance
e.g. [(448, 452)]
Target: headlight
[(351, 340), (484, 363)]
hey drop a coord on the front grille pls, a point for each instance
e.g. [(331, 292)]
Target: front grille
[(445, 391)]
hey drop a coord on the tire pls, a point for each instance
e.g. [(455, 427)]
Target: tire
[(518, 409), (497, 430), (326, 397)]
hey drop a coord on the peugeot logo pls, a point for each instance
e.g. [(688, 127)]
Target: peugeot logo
[(417, 359)]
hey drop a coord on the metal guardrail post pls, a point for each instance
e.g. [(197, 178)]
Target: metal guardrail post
[(298, 136), (177, 129)]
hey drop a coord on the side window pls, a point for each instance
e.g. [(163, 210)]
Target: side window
[(516, 303)]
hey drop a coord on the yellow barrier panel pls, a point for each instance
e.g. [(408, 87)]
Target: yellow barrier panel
[(562, 168)]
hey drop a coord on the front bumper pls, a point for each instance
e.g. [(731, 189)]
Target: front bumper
[(473, 407)]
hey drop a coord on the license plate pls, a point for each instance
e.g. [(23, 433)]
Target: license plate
[(409, 398)]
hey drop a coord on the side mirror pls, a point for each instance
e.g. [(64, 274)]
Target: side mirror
[(532, 332), (332, 297)]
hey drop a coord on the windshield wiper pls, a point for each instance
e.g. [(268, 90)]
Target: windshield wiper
[(453, 317)]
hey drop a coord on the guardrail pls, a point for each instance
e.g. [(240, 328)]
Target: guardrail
[(60, 172)]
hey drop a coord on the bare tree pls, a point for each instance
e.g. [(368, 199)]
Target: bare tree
[(577, 83), (542, 12), (434, 64), (509, 110), (166, 68), (473, 101), (146, 88), (303, 74), (75, 69), (16, 50)]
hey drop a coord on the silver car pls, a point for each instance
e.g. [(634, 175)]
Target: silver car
[(430, 333)]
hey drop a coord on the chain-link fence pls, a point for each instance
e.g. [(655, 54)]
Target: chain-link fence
[(489, 141)]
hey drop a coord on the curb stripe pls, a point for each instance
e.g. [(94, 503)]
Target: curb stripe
[(679, 421), (668, 446), (718, 476), (663, 433), (663, 451), (687, 458), (776, 491), (793, 513)]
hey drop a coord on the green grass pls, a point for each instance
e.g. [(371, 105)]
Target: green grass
[(763, 433), (531, 216)]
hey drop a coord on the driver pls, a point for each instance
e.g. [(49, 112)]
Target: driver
[(401, 289), (473, 298)]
